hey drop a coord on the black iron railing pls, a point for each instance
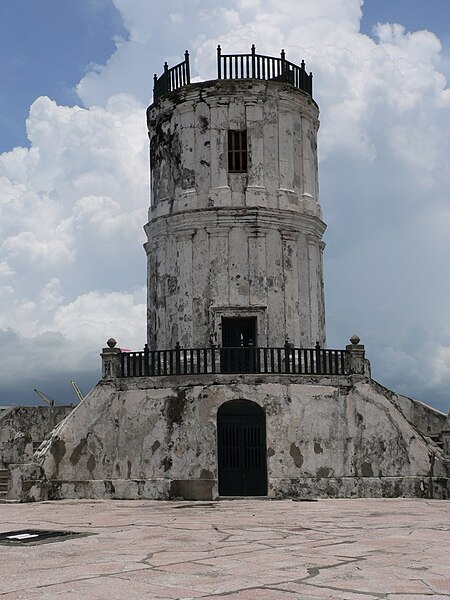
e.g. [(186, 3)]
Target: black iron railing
[(238, 66), (259, 66), (213, 360), (172, 79)]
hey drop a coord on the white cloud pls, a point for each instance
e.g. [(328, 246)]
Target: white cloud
[(71, 215), (96, 316)]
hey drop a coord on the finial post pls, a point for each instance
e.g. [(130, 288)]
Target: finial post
[(111, 360)]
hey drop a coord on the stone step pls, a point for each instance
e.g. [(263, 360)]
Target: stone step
[(437, 439), (4, 477)]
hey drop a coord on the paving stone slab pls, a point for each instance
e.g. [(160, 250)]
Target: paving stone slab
[(366, 549)]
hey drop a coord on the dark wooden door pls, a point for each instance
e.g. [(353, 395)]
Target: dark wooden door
[(238, 341), (238, 332), (242, 450)]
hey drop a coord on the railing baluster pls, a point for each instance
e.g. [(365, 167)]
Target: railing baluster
[(213, 360), (170, 362)]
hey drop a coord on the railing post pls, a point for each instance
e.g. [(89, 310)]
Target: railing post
[(318, 359), (253, 61), (177, 358), (283, 65), (166, 78), (287, 356), (356, 363), (219, 63), (188, 69), (146, 359), (213, 354), (111, 360)]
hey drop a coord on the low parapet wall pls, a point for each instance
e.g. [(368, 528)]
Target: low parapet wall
[(22, 428), (428, 420)]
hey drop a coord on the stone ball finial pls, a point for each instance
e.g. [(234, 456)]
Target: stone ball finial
[(111, 342), (355, 339)]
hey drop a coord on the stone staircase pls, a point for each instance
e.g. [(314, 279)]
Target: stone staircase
[(437, 439), (4, 477)]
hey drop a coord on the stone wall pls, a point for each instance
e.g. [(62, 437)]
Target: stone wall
[(21, 427), (325, 438)]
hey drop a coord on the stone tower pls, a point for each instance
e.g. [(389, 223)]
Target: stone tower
[(235, 232), (234, 260)]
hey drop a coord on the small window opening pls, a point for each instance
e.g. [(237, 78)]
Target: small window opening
[(237, 151)]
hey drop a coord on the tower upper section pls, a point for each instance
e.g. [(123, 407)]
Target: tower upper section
[(246, 139)]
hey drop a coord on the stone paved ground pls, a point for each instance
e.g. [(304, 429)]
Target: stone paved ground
[(242, 549)]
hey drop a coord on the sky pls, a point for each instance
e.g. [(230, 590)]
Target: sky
[(75, 80)]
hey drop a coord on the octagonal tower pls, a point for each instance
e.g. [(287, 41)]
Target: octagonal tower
[(235, 232)]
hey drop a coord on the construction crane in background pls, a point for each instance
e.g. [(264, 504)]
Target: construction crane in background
[(77, 390), (45, 398)]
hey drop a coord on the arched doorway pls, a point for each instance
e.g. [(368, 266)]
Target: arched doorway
[(241, 449)]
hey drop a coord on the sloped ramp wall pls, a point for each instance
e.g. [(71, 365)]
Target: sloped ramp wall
[(143, 438)]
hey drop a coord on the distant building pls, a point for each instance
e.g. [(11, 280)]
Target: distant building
[(235, 393)]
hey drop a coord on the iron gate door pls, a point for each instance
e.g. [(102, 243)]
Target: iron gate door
[(242, 455)]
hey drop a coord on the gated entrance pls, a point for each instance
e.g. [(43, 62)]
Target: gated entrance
[(241, 440)]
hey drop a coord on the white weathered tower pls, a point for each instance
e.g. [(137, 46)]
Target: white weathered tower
[(235, 259), (235, 232)]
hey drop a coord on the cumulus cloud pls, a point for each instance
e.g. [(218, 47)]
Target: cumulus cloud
[(71, 214), (73, 204)]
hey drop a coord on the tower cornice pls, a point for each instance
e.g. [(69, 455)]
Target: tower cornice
[(223, 219)]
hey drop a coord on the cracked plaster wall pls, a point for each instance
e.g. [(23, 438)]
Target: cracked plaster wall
[(160, 442)]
